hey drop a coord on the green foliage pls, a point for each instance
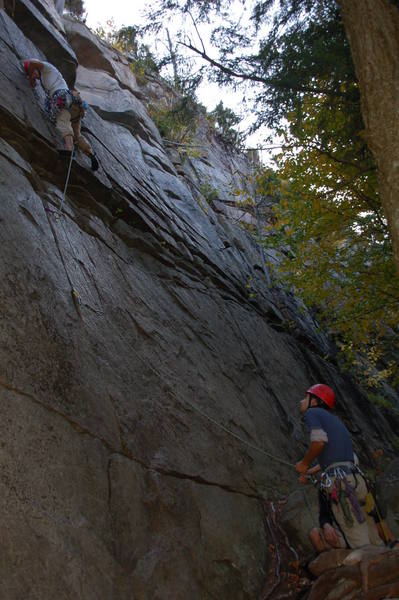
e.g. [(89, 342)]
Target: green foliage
[(176, 118), (329, 223), (302, 49), (209, 192), (127, 39), (379, 400), (225, 121), (310, 56)]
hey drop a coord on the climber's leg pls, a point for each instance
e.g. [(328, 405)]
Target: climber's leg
[(63, 124)]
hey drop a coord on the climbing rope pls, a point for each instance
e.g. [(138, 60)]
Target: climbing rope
[(210, 419), (162, 376), (183, 145), (67, 178), (74, 293), (76, 300)]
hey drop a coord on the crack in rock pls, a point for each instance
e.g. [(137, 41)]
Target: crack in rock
[(125, 452)]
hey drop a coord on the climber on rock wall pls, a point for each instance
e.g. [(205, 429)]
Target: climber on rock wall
[(341, 480), (64, 106)]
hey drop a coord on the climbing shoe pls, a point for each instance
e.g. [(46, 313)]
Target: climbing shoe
[(94, 162)]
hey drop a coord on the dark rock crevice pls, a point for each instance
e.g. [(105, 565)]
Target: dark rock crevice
[(125, 452)]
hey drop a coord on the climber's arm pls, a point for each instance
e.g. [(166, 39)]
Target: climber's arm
[(35, 67), (315, 449)]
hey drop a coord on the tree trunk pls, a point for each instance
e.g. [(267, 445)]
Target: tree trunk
[(59, 5), (172, 53), (372, 28)]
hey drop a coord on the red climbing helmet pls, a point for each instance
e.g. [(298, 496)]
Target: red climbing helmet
[(26, 66), (324, 393)]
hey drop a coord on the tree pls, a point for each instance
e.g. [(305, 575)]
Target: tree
[(185, 78), (305, 51), (75, 8), (128, 39), (330, 226), (330, 220), (372, 27), (225, 122)]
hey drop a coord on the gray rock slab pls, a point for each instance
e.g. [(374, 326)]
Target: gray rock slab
[(17, 42), (113, 103), (194, 521), (51, 13), (25, 209), (159, 159), (91, 52), (54, 484)]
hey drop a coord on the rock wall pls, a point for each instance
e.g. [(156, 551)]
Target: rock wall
[(144, 360)]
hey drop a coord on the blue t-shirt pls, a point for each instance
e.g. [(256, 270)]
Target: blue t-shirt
[(339, 445)]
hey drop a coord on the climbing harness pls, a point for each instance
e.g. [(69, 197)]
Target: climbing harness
[(64, 99), (337, 472), (60, 100)]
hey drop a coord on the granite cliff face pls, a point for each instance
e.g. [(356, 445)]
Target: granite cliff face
[(143, 356)]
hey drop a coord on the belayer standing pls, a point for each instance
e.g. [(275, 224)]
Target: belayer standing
[(65, 106), (342, 482)]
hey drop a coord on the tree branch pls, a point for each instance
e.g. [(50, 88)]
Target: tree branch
[(342, 161), (196, 29), (257, 78)]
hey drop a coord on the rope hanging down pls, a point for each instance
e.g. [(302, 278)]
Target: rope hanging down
[(75, 296), (159, 374), (162, 377), (206, 416), (67, 178)]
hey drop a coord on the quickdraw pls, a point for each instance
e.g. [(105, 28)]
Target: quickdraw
[(343, 497)]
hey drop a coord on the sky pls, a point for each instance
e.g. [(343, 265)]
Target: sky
[(124, 12)]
